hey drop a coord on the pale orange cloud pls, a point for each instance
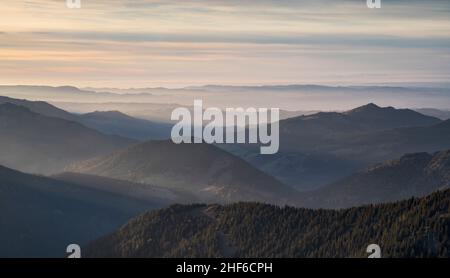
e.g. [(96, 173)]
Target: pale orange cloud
[(172, 43)]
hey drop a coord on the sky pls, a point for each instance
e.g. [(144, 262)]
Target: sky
[(156, 43)]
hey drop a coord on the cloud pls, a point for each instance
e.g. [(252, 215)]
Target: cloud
[(330, 40), (225, 41)]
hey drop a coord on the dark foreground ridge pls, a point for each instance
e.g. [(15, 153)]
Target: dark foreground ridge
[(416, 227)]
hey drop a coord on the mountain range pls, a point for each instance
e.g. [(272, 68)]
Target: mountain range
[(320, 148), (286, 97), (97, 178)]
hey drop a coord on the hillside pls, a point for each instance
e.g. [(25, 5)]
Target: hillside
[(202, 170), (36, 143), (40, 216), (411, 228), (412, 175)]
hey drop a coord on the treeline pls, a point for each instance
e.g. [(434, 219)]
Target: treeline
[(418, 227)]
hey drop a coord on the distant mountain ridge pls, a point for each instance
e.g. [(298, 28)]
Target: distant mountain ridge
[(342, 97), (367, 118), (58, 91), (109, 122), (314, 87), (388, 117), (36, 143)]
